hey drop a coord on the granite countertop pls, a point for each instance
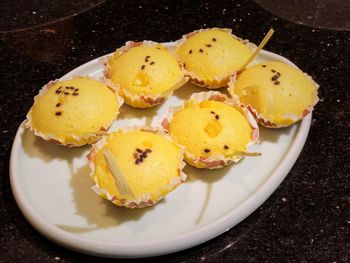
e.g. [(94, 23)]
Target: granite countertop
[(307, 219)]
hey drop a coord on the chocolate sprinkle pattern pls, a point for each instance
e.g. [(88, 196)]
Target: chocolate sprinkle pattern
[(140, 155), (66, 93), (147, 60)]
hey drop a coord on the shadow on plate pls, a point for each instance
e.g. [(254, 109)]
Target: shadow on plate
[(36, 147), (128, 112), (205, 175), (208, 177), (185, 92), (273, 135), (98, 212)]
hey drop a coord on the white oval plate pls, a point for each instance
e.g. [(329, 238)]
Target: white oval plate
[(51, 185)]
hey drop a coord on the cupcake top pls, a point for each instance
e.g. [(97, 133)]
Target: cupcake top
[(144, 69), (278, 94), (73, 112), (150, 165), (213, 132), (212, 55)]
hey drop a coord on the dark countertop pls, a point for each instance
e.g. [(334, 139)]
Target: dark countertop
[(306, 220)]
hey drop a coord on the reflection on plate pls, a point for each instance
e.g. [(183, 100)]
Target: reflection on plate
[(51, 185)]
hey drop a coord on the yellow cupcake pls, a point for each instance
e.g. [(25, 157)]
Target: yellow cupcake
[(213, 131), (211, 56), (277, 94), (144, 73), (136, 168), (73, 112)]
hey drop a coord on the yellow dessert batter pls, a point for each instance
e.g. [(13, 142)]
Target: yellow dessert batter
[(145, 71), (280, 94), (211, 56), (73, 112), (210, 129), (149, 162)]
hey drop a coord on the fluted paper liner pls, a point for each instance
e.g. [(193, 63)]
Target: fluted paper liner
[(141, 100), (145, 199), (80, 139), (260, 118), (215, 161), (215, 83)]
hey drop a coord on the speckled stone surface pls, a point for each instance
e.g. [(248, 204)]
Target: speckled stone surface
[(306, 220)]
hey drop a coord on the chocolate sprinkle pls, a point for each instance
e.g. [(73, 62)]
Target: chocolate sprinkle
[(201, 50), (206, 150), (276, 82), (66, 93), (58, 113), (190, 52), (143, 67), (75, 94), (212, 112), (275, 77), (58, 104), (144, 154), (217, 117), (214, 39), (272, 70), (226, 147), (58, 91), (137, 161), (148, 150), (208, 45), (139, 150), (152, 63), (135, 155), (264, 66)]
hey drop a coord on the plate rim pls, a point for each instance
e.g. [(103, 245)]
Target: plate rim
[(166, 245)]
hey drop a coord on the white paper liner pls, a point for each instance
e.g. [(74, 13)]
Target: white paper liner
[(264, 121), (214, 161), (80, 139), (141, 100), (145, 199), (217, 82)]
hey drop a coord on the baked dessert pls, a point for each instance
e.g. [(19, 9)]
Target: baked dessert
[(144, 73), (210, 56), (73, 112), (136, 168), (214, 132), (277, 94)]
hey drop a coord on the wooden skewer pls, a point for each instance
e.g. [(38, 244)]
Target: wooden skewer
[(121, 183), (260, 47)]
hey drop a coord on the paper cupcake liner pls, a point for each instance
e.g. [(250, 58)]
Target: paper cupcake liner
[(215, 161), (145, 199), (260, 118), (140, 100), (215, 83), (79, 139)]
